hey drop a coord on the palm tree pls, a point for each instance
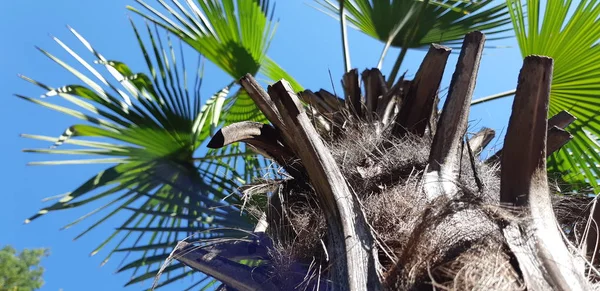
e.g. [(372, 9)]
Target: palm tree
[(372, 202), (155, 125)]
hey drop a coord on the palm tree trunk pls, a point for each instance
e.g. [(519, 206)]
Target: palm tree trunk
[(453, 235)]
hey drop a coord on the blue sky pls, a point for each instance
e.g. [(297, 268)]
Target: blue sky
[(307, 44)]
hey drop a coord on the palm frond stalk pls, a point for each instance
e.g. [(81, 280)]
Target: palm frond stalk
[(386, 201), (568, 31)]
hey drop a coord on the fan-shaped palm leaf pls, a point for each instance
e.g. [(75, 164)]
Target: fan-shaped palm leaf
[(447, 21), (234, 35), (153, 124), (571, 39), (409, 24)]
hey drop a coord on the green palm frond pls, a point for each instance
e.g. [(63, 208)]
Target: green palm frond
[(412, 24), (151, 127), (233, 34), (569, 33), (444, 21)]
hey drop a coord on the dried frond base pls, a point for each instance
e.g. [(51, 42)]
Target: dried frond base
[(384, 194)]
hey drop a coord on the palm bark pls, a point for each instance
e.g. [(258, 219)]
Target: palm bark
[(511, 232)]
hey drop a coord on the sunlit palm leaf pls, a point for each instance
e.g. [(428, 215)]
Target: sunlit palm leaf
[(411, 24), (438, 21), (233, 34), (569, 33), (153, 124)]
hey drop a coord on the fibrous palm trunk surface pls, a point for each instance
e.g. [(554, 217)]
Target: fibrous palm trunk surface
[(381, 193)]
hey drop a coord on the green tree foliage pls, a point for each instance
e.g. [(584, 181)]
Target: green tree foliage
[(22, 271), (161, 181)]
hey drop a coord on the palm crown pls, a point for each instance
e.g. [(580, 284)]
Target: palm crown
[(154, 123)]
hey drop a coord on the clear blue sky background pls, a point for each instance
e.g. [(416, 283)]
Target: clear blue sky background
[(307, 44)]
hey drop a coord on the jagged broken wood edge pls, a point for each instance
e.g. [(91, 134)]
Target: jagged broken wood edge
[(557, 135), (537, 243), (350, 239), (276, 105), (420, 98), (446, 150)]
